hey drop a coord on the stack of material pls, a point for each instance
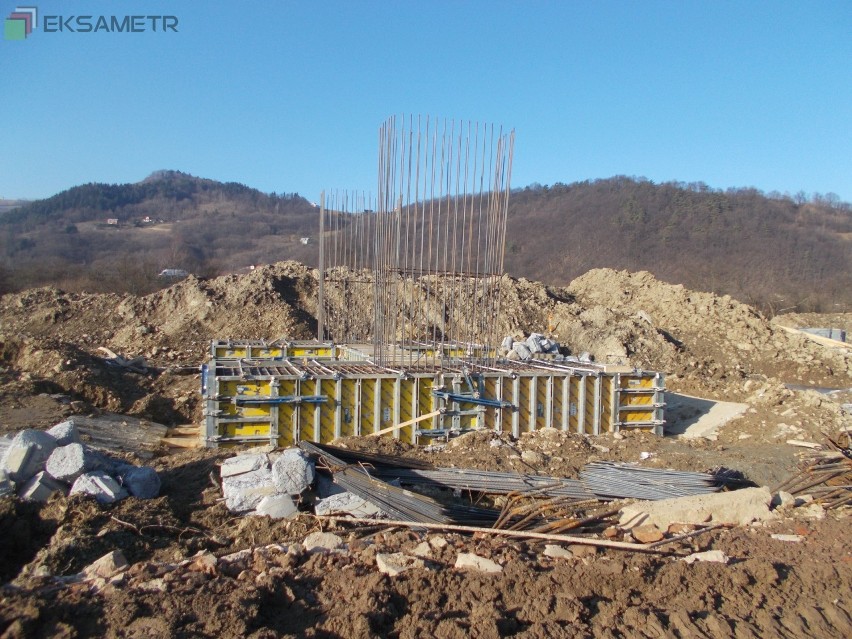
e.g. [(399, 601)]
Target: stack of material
[(396, 502), (825, 475), (40, 463), (610, 480)]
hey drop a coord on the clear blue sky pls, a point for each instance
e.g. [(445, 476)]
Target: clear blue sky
[(288, 96)]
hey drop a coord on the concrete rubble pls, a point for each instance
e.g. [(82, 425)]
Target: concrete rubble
[(740, 507), (395, 563), (266, 483), (37, 464), (475, 562)]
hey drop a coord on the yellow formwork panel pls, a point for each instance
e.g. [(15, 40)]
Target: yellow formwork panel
[(523, 399), (589, 404), (542, 402), (348, 403), (387, 397), (575, 404), (491, 385), (606, 399), (637, 381), (368, 399), (557, 403), (327, 410), (246, 429), (307, 412), (407, 406)]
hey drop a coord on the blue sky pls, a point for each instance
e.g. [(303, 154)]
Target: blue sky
[(289, 96)]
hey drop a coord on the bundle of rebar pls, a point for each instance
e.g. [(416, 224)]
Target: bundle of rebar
[(491, 482), (610, 480), (826, 476), (396, 502)]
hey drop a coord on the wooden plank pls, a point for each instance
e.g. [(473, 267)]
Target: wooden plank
[(410, 422)]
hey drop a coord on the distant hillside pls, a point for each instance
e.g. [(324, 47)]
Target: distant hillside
[(119, 236), (774, 252)]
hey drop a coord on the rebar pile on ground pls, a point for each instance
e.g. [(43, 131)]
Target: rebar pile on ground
[(492, 482), (609, 480), (826, 476), (396, 502)]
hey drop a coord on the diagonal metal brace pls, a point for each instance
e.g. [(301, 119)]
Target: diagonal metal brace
[(470, 399)]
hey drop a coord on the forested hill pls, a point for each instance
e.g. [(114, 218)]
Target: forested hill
[(774, 251)]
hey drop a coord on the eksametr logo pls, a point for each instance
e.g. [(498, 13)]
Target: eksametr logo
[(20, 23), (23, 20)]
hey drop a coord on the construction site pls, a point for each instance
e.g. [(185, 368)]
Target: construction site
[(405, 441)]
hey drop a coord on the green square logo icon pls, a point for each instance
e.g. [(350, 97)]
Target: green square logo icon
[(14, 30)]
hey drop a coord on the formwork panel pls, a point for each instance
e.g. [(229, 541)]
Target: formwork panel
[(542, 402), (368, 420), (348, 406), (328, 409), (273, 400), (492, 386), (575, 404), (406, 405), (525, 416), (307, 412), (606, 402)]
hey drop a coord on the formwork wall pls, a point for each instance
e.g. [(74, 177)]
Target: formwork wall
[(282, 401)]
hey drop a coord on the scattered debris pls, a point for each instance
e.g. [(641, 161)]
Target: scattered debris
[(475, 562), (713, 556), (790, 538)]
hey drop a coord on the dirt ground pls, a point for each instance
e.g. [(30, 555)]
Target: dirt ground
[(708, 346)]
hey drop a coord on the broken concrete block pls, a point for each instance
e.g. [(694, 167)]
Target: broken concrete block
[(107, 566), (783, 499), (558, 552), (534, 343), (647, 534), (346, 503), (423, 549), (325, 487), (397, 562), (507, 343), (40, 487), (27, 454), (67, 463), (65, 433), (99, 485), (292, 472), (7, 486), (244, 492), (738, 507), (243, 464), (142, 482), (320, 541), (277, 507), (521, 350), (714, 556), (437, 542), (475, 562), (790, 538), (582, 550)]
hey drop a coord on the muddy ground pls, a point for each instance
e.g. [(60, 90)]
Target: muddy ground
[(709, 346)]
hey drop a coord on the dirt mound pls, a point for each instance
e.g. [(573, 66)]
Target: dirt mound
[(718, 339)]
